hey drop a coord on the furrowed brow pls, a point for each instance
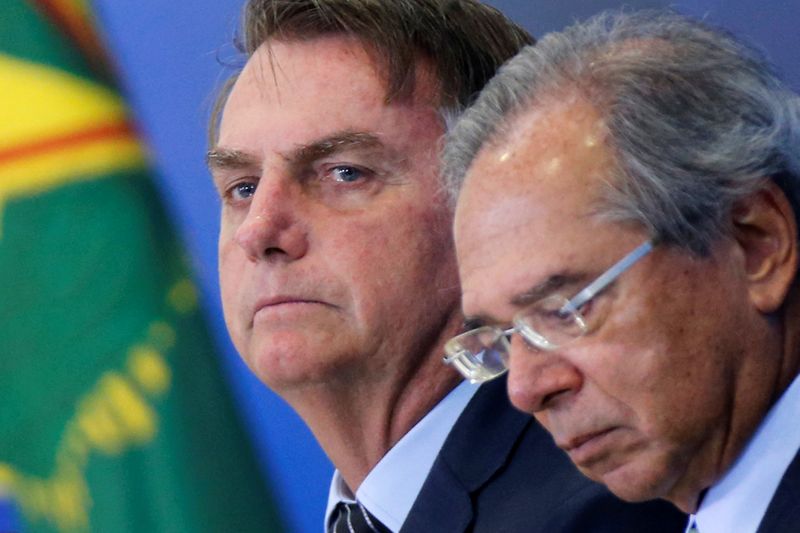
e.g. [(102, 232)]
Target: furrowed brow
[(524, 299), (545, 288), (228, 159)]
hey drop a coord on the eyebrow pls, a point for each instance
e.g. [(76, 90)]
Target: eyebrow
[(331, 144), (545, 288), (226, 158), (523, 299)]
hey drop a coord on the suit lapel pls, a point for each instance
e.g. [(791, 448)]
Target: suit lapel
[(478, 445), (443, 501), (783, 513)]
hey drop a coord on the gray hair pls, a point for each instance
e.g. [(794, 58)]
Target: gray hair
[(697, 120)]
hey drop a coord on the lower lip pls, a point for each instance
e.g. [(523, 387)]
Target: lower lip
[(593, 449), (291, 309)]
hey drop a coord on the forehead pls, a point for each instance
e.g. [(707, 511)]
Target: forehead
[(527, 205), (293, 91), (278, 63), (288, 74)]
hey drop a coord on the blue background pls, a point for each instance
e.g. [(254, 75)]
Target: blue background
[(169, 57)]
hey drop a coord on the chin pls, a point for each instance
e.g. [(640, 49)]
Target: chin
[(280, 370), (637, 480), (634, 492), (286, 362)]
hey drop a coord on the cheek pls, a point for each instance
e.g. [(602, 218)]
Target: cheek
[(431, 255), (544, 419), (229, 221), (399, 264), (412, 239), (231, 278), (658, 371)]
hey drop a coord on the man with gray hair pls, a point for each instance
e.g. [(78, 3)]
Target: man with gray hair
[(628, 216), (338, 274)]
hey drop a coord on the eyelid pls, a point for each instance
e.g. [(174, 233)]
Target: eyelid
[(231, 186), (324, 177), (224, 177), (377, 164), (471, 323), (329, 169)]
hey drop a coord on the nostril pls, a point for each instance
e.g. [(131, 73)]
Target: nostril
[(549, 399)]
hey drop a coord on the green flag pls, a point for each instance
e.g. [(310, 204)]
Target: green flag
[(114, 414)]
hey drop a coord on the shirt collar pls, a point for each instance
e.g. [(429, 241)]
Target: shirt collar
[(391, 487), (739, 500)]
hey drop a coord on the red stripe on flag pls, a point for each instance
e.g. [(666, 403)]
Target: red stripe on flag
[(69, 140)]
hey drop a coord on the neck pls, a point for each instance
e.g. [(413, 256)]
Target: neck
[(359, 413), (357, 424)]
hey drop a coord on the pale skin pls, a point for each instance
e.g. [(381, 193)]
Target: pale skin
[(660, 398), (337, 271)]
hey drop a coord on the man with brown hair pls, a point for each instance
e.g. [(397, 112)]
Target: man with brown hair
[(338, 276)]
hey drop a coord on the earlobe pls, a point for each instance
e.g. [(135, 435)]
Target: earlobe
[(765, 229)]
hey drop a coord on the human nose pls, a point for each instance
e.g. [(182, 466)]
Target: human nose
[(273, 228), (537, 379)]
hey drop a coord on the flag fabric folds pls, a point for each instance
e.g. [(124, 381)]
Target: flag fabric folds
[(114, 415)]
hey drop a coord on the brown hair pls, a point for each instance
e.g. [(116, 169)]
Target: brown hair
[(465, 41)]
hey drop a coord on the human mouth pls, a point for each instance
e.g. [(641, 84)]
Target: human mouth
[(286, 306), (588, 448)]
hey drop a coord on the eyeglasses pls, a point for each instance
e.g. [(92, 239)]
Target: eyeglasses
[(481, 354)]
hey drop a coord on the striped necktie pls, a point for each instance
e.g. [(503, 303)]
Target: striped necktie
[(354, 518)]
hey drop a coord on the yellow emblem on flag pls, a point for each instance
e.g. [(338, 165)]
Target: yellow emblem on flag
[(57, 128)]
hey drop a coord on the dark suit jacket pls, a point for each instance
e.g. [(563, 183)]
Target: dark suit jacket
[(783, 512), (499, 471)]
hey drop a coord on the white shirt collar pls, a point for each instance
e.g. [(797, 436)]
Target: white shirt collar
[(390, 488), (739, 500)]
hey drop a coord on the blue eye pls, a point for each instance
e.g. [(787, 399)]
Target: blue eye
[(346, 174), (242, 191)]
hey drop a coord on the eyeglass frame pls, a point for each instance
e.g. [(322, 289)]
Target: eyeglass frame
[(572, 306)]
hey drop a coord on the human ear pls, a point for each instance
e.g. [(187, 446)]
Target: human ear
[(765, 229)]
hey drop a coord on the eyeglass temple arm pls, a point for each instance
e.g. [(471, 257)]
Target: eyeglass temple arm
[(607, 277)]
